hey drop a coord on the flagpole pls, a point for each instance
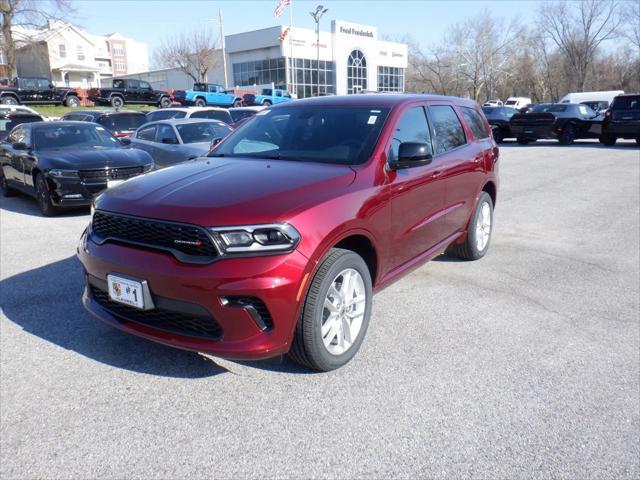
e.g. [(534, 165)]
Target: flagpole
[(291, 59), (224, 52)]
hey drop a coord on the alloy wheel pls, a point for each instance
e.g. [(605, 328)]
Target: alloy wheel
[(343, 311), (483, 226)]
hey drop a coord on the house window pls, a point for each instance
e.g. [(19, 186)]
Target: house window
[(356, 72), (120, 66), (390, 79), (118, 50), (62, 51), (80, 52)]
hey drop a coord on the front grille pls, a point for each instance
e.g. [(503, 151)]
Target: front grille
[(188, 243), (102, 175), (162, 319)]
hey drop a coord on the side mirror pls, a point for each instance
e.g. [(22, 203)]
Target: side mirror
[(169, 141), (215, 141), (20, 146), (412, 154), (125, 141)]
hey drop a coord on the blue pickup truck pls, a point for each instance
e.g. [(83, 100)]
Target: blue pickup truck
[(268, 96), (204, 94)]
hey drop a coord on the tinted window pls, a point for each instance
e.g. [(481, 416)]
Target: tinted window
[(626, 103), (448, 130), (53, 137), (474, 121), (145, 85), (511, 102), (238, 115), (203, 131), (267, 92), (199, 87), (342, 135), (134, 84), (147, 133), (123, 122), (412, 127), (166, 132), (508, 111), (164, 115), (223, 116), (118, 84)]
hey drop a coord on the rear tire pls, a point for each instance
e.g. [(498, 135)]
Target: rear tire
[(522, 140), (608, 140), (336, 313), (476, 245), (267, 103), (165, 102), (72, 101), (116, 102), (568, 135), (200, 102), (497, 134), (237, 103), (7, 191), (43, 198)]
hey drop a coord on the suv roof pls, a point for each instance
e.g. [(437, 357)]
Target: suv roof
[(374, 100)]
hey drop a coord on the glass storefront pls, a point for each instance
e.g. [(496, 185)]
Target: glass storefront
[(260, 72), (390, 79), (306, 77)]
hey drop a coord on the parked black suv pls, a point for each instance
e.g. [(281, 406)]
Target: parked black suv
[(498, 118), (127, 90), (37, 91), (622, 119)]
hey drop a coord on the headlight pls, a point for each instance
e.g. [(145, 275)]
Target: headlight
[(278, 237), (59, 173)]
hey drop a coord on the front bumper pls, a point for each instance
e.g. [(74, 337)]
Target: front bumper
[(275, 280)]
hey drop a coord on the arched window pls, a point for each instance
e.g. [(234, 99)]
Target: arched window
[(356, 72)]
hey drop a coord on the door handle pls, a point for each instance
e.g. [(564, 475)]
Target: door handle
[(436, 174)]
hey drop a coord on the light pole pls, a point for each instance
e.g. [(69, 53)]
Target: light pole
[(317, 15)]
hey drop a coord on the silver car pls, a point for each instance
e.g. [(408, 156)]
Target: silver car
[(178, 140)]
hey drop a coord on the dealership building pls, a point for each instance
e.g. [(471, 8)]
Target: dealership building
[(351, 60)]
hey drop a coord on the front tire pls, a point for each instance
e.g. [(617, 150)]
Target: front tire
[(200, 102), (44, 198), (7, 191), (165, 102), (267, 103), (9, 100), (497, 135), (336, 313), (608, 140), (237, 103), (72, 101), (522, 140), (478, 238)]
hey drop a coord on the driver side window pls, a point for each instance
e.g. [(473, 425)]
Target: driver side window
[(166, 135), (412, 127), (20, 134)]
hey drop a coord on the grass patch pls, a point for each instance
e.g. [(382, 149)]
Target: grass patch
[(59, 110)]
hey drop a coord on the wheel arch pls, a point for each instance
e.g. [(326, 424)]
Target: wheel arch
[(490, 188), (10, 94)]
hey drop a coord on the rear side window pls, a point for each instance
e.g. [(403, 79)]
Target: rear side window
[(123, 121), (147, 133), (166, 134), (447, 128), (626, 103), (213, 115), (474, 120), (412, 127)]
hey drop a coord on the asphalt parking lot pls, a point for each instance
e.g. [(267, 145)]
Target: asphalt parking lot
[(525, 364)]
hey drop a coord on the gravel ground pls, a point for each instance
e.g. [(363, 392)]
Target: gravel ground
[(522, 365)]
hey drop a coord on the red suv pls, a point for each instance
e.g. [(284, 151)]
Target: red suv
[(276, 241)]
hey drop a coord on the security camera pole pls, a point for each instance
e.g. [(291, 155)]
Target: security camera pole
[(317, 15)]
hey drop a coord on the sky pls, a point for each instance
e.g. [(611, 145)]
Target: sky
[(150, 21)]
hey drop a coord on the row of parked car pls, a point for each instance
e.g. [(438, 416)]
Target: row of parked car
[(66, 163), (567, 122)]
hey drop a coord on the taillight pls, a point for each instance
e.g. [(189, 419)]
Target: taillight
[(607, 113)]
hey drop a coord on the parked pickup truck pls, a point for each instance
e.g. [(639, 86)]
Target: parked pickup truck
[(204, 94), (267, 97), (129, 91), (37, 91)]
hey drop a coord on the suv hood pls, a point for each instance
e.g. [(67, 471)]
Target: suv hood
[(221, 192)]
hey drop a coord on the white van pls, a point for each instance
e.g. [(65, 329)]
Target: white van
[(517, 102), (596, 100)]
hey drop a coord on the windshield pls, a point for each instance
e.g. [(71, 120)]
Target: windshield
[(221, 115), (202, 131), (165, 114), (122, 122), (239, 115), (511, 102), (550, 107), (55, 137), (340, 135)]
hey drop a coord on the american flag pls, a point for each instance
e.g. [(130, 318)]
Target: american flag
[(284, 34), (280, 8)]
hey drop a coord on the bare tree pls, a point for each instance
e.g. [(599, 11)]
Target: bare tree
[(194, 53), (578, 28), (631, 11), (27, 14)]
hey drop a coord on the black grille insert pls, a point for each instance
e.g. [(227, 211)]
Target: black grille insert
[(181, 323), (189, 243), (102, 175)]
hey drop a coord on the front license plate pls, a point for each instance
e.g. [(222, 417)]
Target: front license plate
[(125, 291), (113, 183)]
